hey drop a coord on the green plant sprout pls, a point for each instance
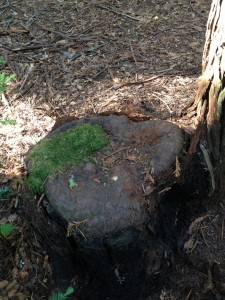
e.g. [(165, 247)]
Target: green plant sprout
[(72, 182), (7, 122), (4, 79), (74, 146), (2, 60), (61, 295), (7, 228)]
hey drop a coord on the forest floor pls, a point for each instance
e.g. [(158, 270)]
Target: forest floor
[(80, 58)]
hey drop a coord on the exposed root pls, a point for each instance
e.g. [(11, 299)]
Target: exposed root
[(196, 137), (199, 109), (210, 168), (202, 88)]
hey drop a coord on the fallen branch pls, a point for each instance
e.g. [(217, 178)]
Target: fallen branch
[(120, 84), (13, 30), (63, 35), (43, 47), (117, 12)]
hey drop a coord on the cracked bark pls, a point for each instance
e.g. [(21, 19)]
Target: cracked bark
[(209, 101)]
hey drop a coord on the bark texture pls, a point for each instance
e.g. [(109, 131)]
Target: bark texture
[(209, 100)]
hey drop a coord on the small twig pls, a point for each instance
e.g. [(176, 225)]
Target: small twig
[(5, 102), (204, 236), (222, 231), (69, 37), (63, 35), (165, 190), (170, 111), (82, 234), (117, 12), (175, 221), (189, 294), (4, 6), (43, 47), (24, 91), (99, 73), (195, 10), (32, 47), (14, 30), (132, 51), (41, 282), (30, 70), (124, 83), (93, 49), (91, 27), (40, 200), (194, 246), (16, 202), (122, 149)]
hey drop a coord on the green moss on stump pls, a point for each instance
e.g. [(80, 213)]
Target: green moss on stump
[(74, 146)]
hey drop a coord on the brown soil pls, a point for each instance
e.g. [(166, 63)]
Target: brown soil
[(79, 58)]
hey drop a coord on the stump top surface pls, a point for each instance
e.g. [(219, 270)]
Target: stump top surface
[(116, 190)]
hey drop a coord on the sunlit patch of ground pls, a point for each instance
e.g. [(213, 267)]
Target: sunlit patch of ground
[(30, 126)]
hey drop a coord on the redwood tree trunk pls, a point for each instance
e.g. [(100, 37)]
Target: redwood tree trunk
[(209, 100)]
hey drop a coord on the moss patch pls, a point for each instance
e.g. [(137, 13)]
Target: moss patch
[(73, 146)]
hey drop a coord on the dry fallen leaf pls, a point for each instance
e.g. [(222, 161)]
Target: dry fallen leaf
[(131, 157), (178, 169)]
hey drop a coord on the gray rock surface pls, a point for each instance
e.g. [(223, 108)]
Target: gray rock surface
[(162, 141), (111, 199), (103, 201)]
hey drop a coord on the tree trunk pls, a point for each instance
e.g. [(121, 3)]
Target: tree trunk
[(209, 100)]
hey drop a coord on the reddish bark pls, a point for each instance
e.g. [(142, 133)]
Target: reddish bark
[(209, 100)]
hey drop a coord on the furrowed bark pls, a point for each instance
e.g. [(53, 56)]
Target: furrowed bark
[(211, 91)]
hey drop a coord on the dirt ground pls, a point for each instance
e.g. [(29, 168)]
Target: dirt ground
[(79, 58)]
